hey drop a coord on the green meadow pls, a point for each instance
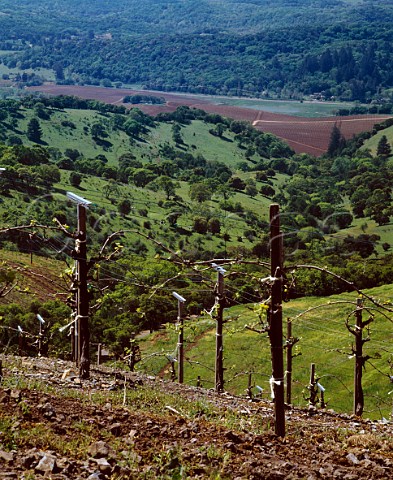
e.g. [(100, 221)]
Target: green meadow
[(372, 143)]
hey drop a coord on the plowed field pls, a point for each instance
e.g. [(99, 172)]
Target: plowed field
[(304, 135)]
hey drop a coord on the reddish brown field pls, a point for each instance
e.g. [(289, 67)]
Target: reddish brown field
[(304, 135)]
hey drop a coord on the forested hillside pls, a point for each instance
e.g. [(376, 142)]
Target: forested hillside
[(275, 49)]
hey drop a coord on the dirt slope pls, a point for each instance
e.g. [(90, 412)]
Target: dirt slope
[(77, 430)]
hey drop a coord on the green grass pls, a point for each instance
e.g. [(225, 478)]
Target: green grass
[(54, 133), (196, 137), (211, 147), (143, 199), (372, 143), (319, 323), (45, 73), (369, 227)]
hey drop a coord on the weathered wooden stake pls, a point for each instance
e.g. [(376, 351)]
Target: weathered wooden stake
[(99, 354), (313, 390), (358, 398), (180, 343), (289, 360), (275, 330), (83, 297), (220, 300), (72, 335), (249, 388)]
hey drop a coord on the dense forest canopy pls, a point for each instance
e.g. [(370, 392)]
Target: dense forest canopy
[(261, 48), (190, 16)]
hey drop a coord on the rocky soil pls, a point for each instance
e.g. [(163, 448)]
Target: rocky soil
[(121, 425)]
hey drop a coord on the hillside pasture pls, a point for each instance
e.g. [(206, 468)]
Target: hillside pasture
[(372, 143)]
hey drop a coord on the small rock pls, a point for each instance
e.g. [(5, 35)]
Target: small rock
[(16, 395), (98, 449), (104, 466), (96, 476), (69, 374), (6, 456), (115, 429), (48, 410), (47, 464), (5, 396), (352, 459)]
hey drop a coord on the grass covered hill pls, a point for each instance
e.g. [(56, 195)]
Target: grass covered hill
[(98, 152)]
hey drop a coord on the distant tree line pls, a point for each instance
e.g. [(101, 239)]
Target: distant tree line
[(146, 99)]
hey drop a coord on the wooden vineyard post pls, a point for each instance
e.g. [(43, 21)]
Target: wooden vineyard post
[(289, 361), (99, 354), (358, 399), (72, 337), (312, 387), (249, 386), (220, 301), (83, 297), (180, 341), (360, 359), (275, 330)]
